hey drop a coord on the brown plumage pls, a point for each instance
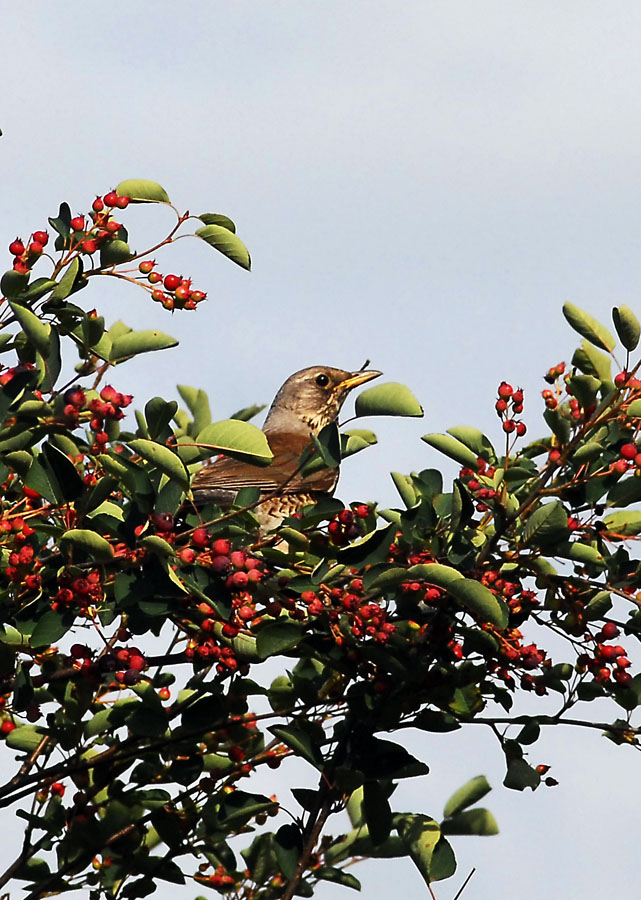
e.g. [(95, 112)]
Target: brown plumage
[(307, 401)]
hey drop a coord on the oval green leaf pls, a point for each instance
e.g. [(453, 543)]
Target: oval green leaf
[(588, 327), (626, 522), (218, 219), (389, 399), (479, 600), (236, 438), (627, 325), (89, 542), (114, 252), (140, 191), (226, 242), (37, 331), (449, 446), (132, 343), (473, 821), (163, 458), (471, 792)]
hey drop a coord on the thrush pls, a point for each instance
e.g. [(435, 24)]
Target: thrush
[(307, 402)]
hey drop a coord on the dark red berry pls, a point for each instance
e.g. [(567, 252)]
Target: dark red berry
[(16, 247)]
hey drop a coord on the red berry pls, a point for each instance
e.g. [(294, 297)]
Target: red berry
[(98, 205), (89, 245), (57, 789), (221, 547), (501, 405), (609, 631), (171, 282), (41, 237), (620, 466), (517, 397), (362, 510), (154, 277), (197, 296), (628, 451), (16, 248), (122, 202), (221, 565), (182, 293), (505, 390), (36, 248), (78, 223), (200, 537), (239, 579), (146, 266), (509, 425), (111, 198), (20, 266), (187, 555), (621, 378), (521, 429), (158, 296), (112, 226), (7, 726), (164, 693)]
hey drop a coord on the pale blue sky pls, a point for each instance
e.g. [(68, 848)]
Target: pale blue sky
[(420, 183)]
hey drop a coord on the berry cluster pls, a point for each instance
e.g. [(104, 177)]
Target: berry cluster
[(506, 396), (350, 612), (108, 407), (344, 527), (80, 592), (24, 256), (177, 293), (555, 372), (608, 661), (23, 567), (480, 493), (100, 227), (629, 458), (123, 666)]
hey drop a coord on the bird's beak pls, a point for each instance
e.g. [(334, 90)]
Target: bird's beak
[(357, 378)]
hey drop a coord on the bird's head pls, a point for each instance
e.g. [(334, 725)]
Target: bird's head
[(312, 398)]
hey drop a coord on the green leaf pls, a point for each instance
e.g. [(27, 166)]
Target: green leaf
[(355, 440), (449, 446), (13, 283), (479, 600), (625, 492), (328, 446), (520, 775), (627, 522), (405, 487), (338, 876), (627, 326), (68, 281), (376, 811), (587, 452), (288, 844), (37, 289), (238, 439), (248, 412), (140, 191), (135, 342), (163, 458), (548, 523), (198, 405), (158, 415), (94, 545), (593, 362), (477, 442), (49, 629), (25, 738), (226, 242), (114, 252), (389, 399), (37, 331), (54, 476), (471, 792), (301, 741), (435, 720), (276, 637), (217, 219), (420, 834), (62, 224), (588, 327), (579, 552), (472, 821)]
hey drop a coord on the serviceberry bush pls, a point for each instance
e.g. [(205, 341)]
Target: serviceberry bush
[(135, 706)]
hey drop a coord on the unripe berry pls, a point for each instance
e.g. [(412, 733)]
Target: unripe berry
[(146, 266), (154, 277)]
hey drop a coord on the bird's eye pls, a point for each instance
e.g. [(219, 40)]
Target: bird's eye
[(322, 380)]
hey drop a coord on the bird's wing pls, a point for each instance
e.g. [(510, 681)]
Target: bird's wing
[(230, 475)]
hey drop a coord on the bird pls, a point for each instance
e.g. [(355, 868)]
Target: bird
[(308, 401)]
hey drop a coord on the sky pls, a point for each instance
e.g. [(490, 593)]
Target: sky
[(422, 184)]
